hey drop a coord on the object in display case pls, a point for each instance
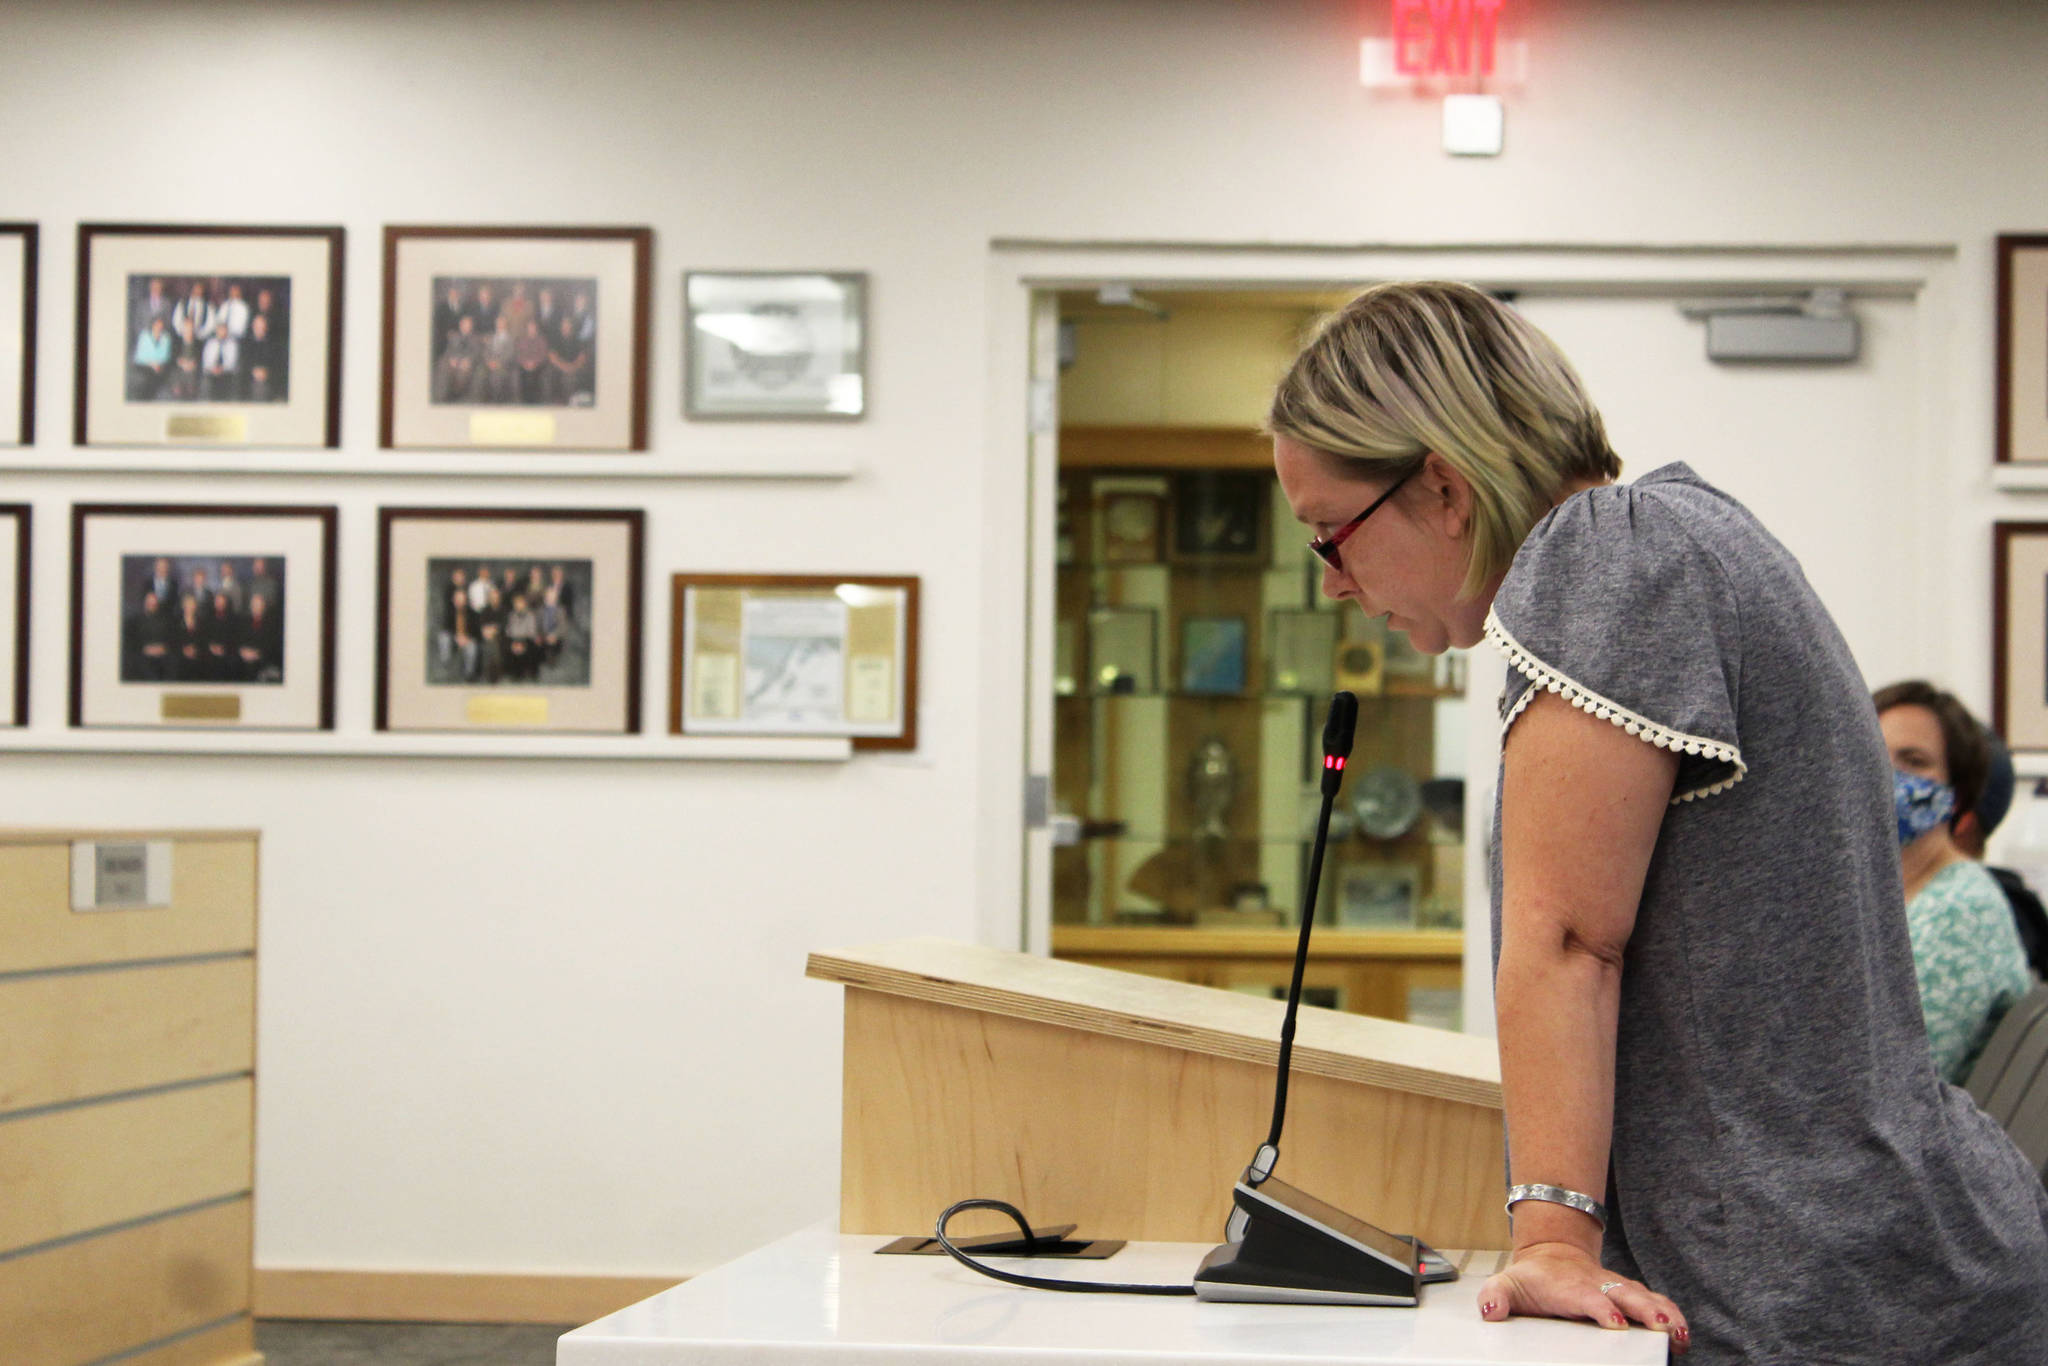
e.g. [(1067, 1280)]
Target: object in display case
[(1211, 787), (208, 336), (1403, 660), (775, 344), (1301, 650), (1387, 801), (1066, 663), (1063, 552), (202, 616), (1220, 518), (1444, 799), (509, 619), (1123, 650), (515, 339), (1376, 896), (1212, 655), (2022, 345), (15, 519), (1130, 527), (18, 247), (790, 654), (1361, 667), (1343, 824)]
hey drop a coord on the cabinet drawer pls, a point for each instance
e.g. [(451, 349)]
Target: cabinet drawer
[(212, 910), (78, 1035), (89, 1299), (74, 1170)]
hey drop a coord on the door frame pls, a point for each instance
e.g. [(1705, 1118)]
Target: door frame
[(1014, 897)]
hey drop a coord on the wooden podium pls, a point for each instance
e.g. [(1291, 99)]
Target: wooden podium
[(1128, 1105)]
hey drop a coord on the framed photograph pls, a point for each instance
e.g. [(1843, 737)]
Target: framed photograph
[(509, 619), (14, 559), (212, 617), (1301, 650), (2019, 636), (1131, 524), (775, 344), (1123, 651), (1376, 896), (531, 339), (1212, 655), (1220, 517), (2022, 369), (795, 654), (18, 333), (208, 336)]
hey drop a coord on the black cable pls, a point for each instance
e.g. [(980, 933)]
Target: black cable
[(1031, 1241)]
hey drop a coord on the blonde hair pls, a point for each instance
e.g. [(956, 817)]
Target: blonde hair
[(1407, 369)]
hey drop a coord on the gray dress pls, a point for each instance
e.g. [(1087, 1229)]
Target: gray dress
[(1786, 1165)]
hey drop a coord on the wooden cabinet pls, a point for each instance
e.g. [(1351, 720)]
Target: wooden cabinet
[(127, 1097)]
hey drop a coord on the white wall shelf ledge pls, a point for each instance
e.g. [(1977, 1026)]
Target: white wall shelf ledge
[(435, 464), (2020, 478), (496, 745)]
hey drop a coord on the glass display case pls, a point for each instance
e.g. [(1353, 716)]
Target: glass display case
[(1195, 660)]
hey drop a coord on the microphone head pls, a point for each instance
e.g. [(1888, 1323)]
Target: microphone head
[(1343, 720)]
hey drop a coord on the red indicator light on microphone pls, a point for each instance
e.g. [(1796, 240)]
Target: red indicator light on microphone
[(1334, 761)]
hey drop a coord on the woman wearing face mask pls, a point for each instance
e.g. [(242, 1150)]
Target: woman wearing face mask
[(1966, 952), (1723, 1121)]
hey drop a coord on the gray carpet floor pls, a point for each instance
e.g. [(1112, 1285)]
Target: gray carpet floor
[(285, 1342)]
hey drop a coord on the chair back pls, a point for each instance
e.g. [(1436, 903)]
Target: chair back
[(2010, 1078)]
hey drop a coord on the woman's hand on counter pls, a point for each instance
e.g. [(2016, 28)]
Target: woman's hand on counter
[(1558, 1281)]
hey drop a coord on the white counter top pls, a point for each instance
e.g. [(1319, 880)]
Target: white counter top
[(818, 1296)]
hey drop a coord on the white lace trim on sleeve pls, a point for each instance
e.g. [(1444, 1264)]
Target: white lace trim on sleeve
[(1543, 678)]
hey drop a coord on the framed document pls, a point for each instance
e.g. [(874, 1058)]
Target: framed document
[(1212, 655), (509, 619), (1123, 650), (208, 336), (795, 654), (209, 617), (515, 339), (14, 558), (2022, 307), (1301, 650), (1220, 518), (2019, 635), (761, 344), (18, 333)]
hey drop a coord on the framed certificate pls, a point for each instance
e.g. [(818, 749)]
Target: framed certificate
[(2022, 349), (788, 344), (14, 556), (795, 654), (18, 333)]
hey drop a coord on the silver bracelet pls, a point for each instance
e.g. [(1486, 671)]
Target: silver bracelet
[(1558, 1195)]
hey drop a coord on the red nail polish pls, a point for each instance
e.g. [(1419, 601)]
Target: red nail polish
[(1663, 1318), (1486, 1308), (1618, 1321)]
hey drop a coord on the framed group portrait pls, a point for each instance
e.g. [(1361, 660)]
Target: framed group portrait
[(195, 616), (515, 339), (15, 519), (2022, 368), (795, 654), (775, 344), (509, 619), (18, 243), (208, 336)]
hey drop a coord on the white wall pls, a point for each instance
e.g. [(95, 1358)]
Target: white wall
[(531, 1016)]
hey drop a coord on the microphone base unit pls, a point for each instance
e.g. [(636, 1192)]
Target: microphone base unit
[(1298, 1250)]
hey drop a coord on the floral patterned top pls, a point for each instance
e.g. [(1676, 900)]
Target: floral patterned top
[(1967, 955)]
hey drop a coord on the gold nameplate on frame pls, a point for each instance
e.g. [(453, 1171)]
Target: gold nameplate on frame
[(224, 427), (508, 711), (202, 706), (512, 429)]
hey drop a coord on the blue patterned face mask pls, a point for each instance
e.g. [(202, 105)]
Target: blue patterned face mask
[(1920, 804)]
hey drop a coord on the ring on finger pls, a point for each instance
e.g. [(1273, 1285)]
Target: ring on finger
[(1607, 1286)]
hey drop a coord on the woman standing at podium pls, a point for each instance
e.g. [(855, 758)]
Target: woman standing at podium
[(1723, 1119)]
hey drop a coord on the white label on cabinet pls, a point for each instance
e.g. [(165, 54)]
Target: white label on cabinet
[(120, 875)]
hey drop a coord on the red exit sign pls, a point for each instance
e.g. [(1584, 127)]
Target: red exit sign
[(1445, 37)]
